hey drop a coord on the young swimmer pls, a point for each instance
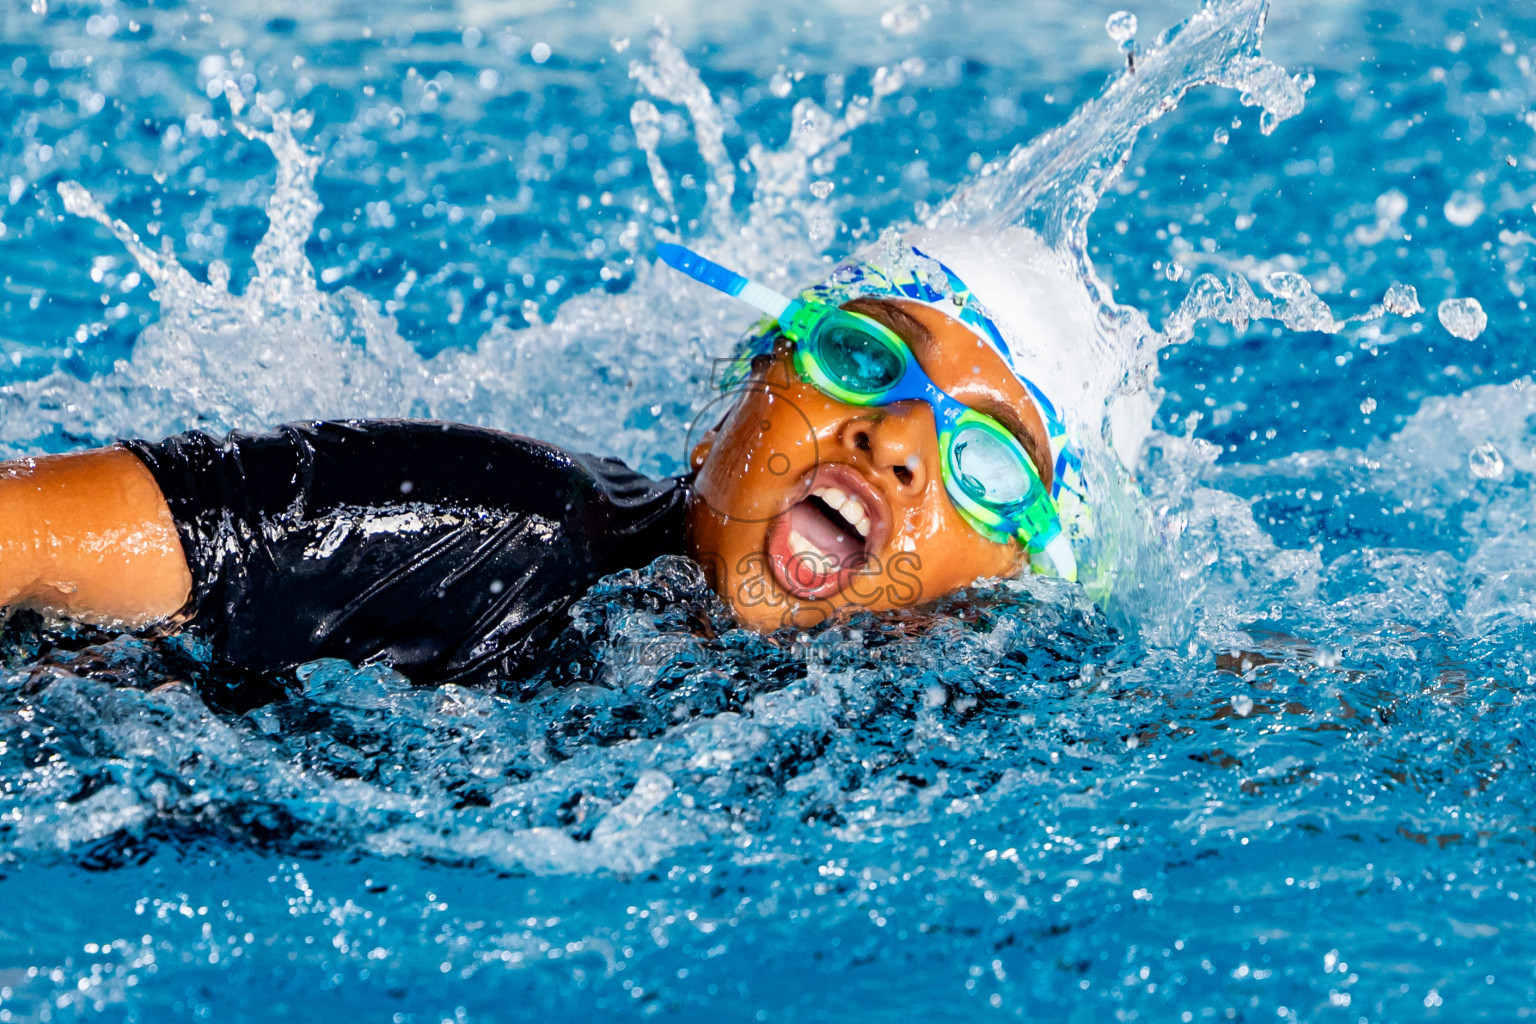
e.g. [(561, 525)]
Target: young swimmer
[(886, 447)]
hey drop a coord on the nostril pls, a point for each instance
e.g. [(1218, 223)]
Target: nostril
[(858, 436), (903, 475)]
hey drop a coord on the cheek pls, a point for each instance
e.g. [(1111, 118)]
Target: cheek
[(762, 454), (949, 552)]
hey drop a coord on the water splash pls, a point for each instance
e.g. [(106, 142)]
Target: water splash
[(484, 778), (1295, 304), (998, 804), (646, 121), (669, 76), (1053, 184), (286, 349), (283, 349)]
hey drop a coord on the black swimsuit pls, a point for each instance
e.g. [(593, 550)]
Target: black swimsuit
[(450, 552)]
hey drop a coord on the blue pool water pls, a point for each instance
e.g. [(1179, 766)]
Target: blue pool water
[(1286, 774)]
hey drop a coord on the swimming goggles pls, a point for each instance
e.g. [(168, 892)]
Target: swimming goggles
[(854, 359)]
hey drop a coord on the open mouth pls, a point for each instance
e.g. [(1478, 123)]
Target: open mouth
[(829, 535)]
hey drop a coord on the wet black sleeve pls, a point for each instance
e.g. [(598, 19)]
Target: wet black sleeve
[(451, 552)]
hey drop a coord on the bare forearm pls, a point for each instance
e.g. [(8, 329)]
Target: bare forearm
[(89, 535)]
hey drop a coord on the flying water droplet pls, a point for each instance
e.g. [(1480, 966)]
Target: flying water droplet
[(1402, 299), (886, 81), (1368, 406), (1242, 705), (1463, 317), (646, 121), (1485, 461), (39, 6), (821, 189), (905, 19), (1121, 27), (1463, 208)]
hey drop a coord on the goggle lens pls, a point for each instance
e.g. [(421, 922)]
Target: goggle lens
[(856, 357), (988, 468)]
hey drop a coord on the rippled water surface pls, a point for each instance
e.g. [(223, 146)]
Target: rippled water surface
[(1284, 774)]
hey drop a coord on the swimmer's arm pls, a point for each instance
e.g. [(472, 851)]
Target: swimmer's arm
[(89, 535)]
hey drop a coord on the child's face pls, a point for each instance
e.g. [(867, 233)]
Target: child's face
[(804, 505)]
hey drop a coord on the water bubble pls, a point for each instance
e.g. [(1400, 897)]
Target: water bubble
[(39, 6), (1485, 461), (905, 19), (540, 52), (1220, 136), (1121, 27), (1402, 299), (821, 189), (1463, 208), (779, 85), (1463, 317), (619, 43), (1368, 406)]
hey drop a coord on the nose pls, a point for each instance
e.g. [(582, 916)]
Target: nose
[(900, 442)]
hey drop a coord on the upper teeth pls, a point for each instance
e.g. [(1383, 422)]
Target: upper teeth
[(845, 505)]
